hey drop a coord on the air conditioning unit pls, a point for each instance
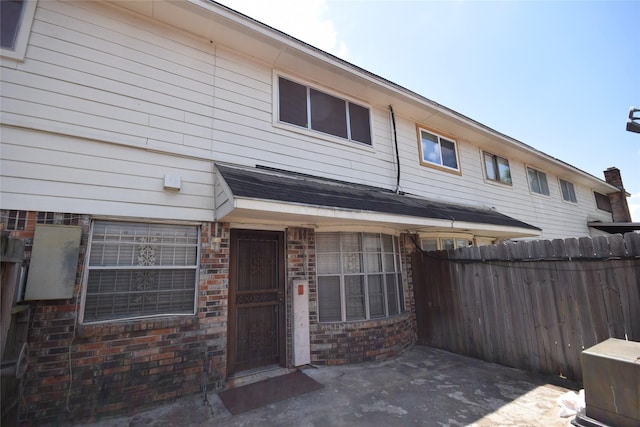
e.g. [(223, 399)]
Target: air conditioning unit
[(611, 378)]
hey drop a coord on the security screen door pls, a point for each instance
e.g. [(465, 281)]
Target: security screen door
[(256, 300)]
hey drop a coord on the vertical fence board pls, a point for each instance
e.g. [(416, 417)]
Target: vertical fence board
[(531, 305)]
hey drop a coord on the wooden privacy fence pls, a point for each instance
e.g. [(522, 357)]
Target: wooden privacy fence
[(531, 305)]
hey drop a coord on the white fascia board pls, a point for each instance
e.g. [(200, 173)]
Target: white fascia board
[(408, 222), (476, 226), (335, 213)]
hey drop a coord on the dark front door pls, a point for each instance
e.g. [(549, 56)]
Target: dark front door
[(256, 300)]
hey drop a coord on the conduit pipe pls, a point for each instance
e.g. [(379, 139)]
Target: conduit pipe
[(395, 140)]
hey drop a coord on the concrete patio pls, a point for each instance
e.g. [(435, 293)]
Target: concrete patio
[(423, 386)]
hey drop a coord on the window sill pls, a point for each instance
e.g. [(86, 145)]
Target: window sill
[(498, 183), (533, 193), (441, 168), (367, 322), (119, 327)]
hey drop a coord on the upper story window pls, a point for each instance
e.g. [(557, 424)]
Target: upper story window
[(568, 191), (538, 181), (359, 276), (437, 150), (602, 202), (137, 270), (497, 168), (310, 108), (16, 17)]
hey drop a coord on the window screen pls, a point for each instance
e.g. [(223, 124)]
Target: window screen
[(313, 109), (293, 103), (11, 14)]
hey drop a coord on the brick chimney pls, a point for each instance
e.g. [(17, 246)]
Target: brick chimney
[(618, 200)]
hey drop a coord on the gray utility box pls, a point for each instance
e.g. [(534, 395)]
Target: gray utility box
[(611, 376)]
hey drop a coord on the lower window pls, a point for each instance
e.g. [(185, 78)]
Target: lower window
[(445, 243), (359, 276), (137, 270)]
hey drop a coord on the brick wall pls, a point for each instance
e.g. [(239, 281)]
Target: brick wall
[(82, 373), (85, 372), (619, 206), (356, 342), (300, 254)]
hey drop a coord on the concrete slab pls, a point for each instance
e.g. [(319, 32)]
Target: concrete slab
[(423, 386)]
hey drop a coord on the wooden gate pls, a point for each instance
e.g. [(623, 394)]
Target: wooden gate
[(256, 300)]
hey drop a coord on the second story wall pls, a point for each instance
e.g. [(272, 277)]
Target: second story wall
[(106, 103)]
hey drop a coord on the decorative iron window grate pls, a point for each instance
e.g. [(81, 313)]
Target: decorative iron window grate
[(137, 270)]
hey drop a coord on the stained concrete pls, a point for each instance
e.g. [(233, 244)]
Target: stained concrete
[(423, 386)]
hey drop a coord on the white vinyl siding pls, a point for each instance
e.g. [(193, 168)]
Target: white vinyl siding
[(55, 173), (107, 102), (138, 270)]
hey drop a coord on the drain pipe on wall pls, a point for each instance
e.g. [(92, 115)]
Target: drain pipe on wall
[(395, 140)]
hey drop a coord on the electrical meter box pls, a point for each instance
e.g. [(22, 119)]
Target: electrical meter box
[(54, 262)]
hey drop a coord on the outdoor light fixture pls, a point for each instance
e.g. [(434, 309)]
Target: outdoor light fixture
[(633, 122)]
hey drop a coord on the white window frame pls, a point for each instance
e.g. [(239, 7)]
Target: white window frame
[(22, 37), (88, 268), (441, 238), (440, 136), (308, 130), (571, 189), (538, 174), (397, 273)]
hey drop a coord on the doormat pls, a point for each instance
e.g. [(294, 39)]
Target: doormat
[(265, 392)]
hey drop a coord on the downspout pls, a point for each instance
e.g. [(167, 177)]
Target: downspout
[(395, 140)]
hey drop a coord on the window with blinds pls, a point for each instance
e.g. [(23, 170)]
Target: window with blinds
[(138, 270), (359, 276)]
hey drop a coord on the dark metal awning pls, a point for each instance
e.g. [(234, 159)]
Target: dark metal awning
[(615, 227), (271, 196)]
